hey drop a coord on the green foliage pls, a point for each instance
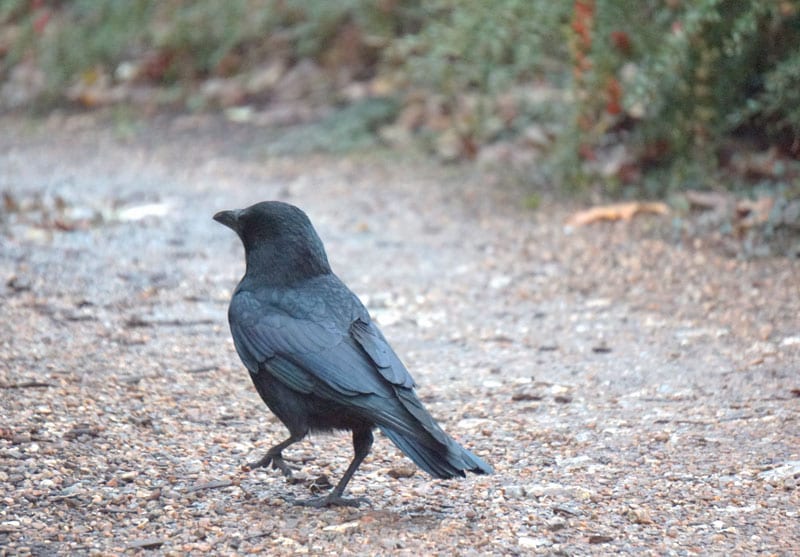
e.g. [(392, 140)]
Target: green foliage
[(350, 128), (312, 24), (776, 107), (195, 38), (709, 69), (672, 81), (484, 46), (675, 83), (97, 33), (11, 9)]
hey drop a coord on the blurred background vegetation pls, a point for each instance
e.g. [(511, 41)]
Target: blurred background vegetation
[(624, 99)]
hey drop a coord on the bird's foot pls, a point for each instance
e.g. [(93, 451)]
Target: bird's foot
[(331, 501), (277, 462)]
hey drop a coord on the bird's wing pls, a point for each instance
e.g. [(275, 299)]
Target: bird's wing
[(370, 338), (312, 354)]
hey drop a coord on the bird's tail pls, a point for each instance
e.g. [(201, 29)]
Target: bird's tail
[(440, 460)]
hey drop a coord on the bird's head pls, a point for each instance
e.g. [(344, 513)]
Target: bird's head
[(279, 240)]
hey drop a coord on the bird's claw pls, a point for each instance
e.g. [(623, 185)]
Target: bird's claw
[(276, 461)]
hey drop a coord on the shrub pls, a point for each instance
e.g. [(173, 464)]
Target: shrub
[(185, 40), (691, 75), (667, 83)]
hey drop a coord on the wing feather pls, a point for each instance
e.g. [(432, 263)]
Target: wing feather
[(370, 338), (350, 363), (317, 350)]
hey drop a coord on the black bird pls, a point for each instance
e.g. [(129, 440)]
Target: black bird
[(315, 356)]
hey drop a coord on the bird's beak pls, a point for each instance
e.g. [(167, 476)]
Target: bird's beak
[(229, 219)]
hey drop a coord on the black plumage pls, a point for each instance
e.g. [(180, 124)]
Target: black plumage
[(315, 356)]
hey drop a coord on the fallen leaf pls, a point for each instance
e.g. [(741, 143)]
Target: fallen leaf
[(753, 213), (616, 211), (758, 165), (710, 200)]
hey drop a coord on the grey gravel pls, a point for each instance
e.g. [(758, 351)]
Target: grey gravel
[(635, 392)]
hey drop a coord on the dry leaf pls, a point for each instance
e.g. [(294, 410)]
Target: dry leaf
[(757, 165), (710, 200), (752, 213), (616, 211)]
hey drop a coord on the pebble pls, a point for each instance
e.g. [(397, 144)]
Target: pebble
[(786, 475), (498, 282), (514, 492), (528, 542), (669, 444), (473, 423), (575, 462)]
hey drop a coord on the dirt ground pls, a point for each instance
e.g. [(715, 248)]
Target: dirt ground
[(636, 391)]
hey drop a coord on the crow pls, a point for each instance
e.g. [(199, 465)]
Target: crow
[(316, 357)]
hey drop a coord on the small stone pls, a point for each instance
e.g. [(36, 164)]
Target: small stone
[(787, 473), (343, 527), (499, 282), (514, 492), (401, 472), (639, 516), (601, 348), (148, 543), (526, 394), (298, 477), (529, 542), (574, 462), (545, 490), (472, 423), (566, 510)]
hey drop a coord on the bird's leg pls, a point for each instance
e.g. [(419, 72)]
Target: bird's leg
[(362, 442), (275, 457)]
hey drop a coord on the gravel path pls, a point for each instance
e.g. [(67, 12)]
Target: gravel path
[(636, 392)]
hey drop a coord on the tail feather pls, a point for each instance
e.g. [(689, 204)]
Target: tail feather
[(439, 460), (410, 426)]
